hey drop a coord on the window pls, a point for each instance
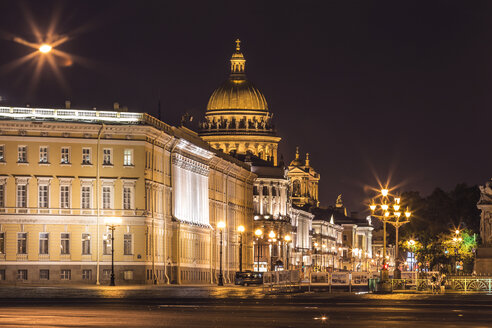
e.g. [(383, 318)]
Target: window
[(43, 242), (22, 154), (106, 197), (86, 156), (65, 274), (21, 195), (274, 191), (65, 243), (22, 243), (86, 197), (43, 196), (86, 244), (2, 242), (44, 274), (107, 274), (2, 274), (127, 244), (2, 153), (65, 196), (87, 274), (128, 157), (127, 198), (43, 154), (265, 191), (2, 195), (107, 244), (107, 156), (255, 190), (22, 274), (65, 155)]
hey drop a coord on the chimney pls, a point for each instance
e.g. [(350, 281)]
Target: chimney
[(68, 103), (116, 106)]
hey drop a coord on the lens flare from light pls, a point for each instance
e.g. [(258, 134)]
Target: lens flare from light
[(45, 48)]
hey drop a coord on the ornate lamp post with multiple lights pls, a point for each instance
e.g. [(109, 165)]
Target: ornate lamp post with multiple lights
[(387, 208), (241, 230), (399, 220), (287, 239), (221, 225), (272, 239), (457, 239), (112, 223)]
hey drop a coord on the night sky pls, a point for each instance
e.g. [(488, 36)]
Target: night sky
[(371, 89)]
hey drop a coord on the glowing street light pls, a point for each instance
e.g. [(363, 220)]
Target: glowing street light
[(45, 48), (112, 223), (287, 239), (258, 233)]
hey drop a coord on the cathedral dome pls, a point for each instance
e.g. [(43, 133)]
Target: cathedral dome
[(237, 93)]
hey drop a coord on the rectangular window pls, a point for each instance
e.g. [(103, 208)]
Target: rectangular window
[(107, 274), (65, 155), (22, 195), (128, 157), (21, 274), (127, 244), (86, 197), (87, 274), (2, 242), (65, 274), (2, 195), (22, 243), (65, 196), (127, 198), (86, 244), (2, 153), (107, 156), (106, 197), (22, 154), (43, 154), (65, 243), (107, 244), (43, 242), (44, 274), (86, 156), (2, 274), (43, 196)]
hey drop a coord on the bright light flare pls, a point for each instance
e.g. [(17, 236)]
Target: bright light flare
[(45, 48)]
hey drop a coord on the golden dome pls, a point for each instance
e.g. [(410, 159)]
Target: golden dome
[(237, 93)]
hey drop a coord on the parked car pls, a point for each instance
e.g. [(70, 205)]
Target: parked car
[(248, 278)]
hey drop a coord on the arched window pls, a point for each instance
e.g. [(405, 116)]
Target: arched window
[(296, 188)]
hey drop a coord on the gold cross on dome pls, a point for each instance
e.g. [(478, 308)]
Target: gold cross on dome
[(238, 45)]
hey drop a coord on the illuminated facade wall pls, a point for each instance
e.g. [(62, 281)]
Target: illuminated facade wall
[(63, 172)]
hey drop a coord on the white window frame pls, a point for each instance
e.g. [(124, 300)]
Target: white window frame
[(128, 157), (86, 274), (107, 245), (2, 242), (107, 183), (125, 244), (62, 155), (107, 156), (2, 153), (19, 238), (64, 190), (47, 239), (62, 239), (65, 274), (86, 240), (43, 154), (3, 192), (128, 185), (25, 198), (22, 149), (87, 156)]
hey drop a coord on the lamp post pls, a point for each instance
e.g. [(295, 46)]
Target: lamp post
[(287, 239), (388, 209), (221, 225), (271, 239), (412, 246), (241, 230), (457, 243), (112, 223), (258, 233)]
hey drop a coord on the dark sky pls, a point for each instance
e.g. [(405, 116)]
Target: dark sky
[(398, 89)]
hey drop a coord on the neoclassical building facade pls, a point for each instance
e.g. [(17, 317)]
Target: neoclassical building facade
[(66, 174)]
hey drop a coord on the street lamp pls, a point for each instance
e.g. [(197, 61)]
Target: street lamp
[(258, 233), (412, 246), (241, 230), (287, 239), (112, 223), (315, 255), (387, 209), (221, 225), (45, 48), (457, 243)]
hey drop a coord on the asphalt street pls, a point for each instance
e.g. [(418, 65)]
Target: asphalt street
[(234, 307)]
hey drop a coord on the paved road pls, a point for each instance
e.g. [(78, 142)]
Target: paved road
[(235, 307)]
